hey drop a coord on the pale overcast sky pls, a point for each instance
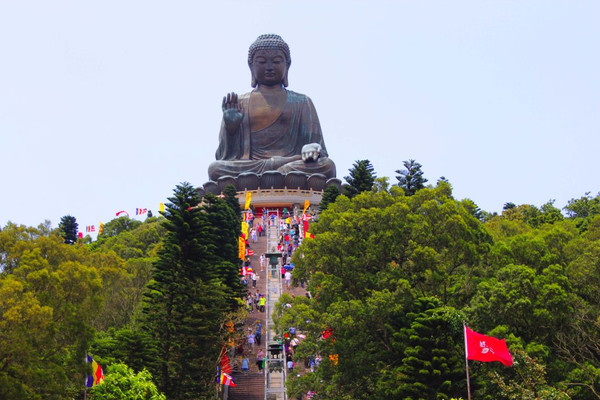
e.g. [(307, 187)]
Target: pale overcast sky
[(107, 105)]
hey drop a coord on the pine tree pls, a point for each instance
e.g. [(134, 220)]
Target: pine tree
[(361, 178), (231, 198), (330, 193), (431, 367), (186, 299), (411, 179), (68, 226), (224, 230)]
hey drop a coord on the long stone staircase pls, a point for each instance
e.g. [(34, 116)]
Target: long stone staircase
[(269, 385), (251, 386)]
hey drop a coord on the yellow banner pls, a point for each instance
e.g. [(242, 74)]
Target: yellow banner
[(248, 200), (245, 229), (306, 205), (242, 248)]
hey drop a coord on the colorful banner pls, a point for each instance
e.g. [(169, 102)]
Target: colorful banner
[(245, 229), (248, 200), (306, 205), (97, 375), (242, 248)]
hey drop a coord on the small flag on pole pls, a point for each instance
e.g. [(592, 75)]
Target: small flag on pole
[(486, 348), (161, 207), (227, 380), (101, 228), (97, 375), (140, 211), (90, 228)]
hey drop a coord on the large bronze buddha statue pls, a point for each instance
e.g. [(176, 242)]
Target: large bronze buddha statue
[(270, 130)]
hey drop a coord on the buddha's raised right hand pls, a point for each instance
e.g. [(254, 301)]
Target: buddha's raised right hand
[(232, 112)]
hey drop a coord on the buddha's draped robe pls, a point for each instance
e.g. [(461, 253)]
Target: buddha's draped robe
[(277, 147)]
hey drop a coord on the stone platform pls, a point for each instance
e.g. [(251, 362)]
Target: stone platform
[(249, 181), (276, 198)]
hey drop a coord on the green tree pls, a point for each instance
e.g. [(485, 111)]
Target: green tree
[(186, 300), (121, 383), (583, 207), (432, 366), (362, 177), (119, 225), (48, 297), (223, 230), (68, 226), (330, 193), (372, 257), (230, 194), (411, 178)]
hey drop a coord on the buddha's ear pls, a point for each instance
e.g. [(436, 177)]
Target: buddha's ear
[(253, 82), (285, 79)]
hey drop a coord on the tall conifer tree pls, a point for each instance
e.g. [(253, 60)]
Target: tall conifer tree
[(68, 226), (186, 299), (330, 193), (411, 179), (362, 177)]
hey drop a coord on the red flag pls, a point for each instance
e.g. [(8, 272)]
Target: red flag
[(225, 364), (486, 348)]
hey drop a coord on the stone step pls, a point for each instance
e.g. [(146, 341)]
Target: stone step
[(248, 387)]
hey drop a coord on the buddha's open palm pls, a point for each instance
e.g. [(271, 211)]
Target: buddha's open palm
[(232, 112)]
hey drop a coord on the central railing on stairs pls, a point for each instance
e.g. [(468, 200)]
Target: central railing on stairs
[(274, 366)]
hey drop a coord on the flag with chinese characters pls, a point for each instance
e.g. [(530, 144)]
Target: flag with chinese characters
[(306, 205), (486, 348)]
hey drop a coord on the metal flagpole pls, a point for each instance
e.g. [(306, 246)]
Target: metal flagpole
[(85, 377), (467, 361)]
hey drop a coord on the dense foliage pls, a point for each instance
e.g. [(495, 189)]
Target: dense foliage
[(108, 298), (394, 277)]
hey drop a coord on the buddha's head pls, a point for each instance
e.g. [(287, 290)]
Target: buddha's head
[(269, 52)]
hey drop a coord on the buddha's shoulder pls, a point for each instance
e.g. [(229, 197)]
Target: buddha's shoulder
[(297, 97)]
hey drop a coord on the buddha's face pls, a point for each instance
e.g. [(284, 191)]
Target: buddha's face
[(269, 67)]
